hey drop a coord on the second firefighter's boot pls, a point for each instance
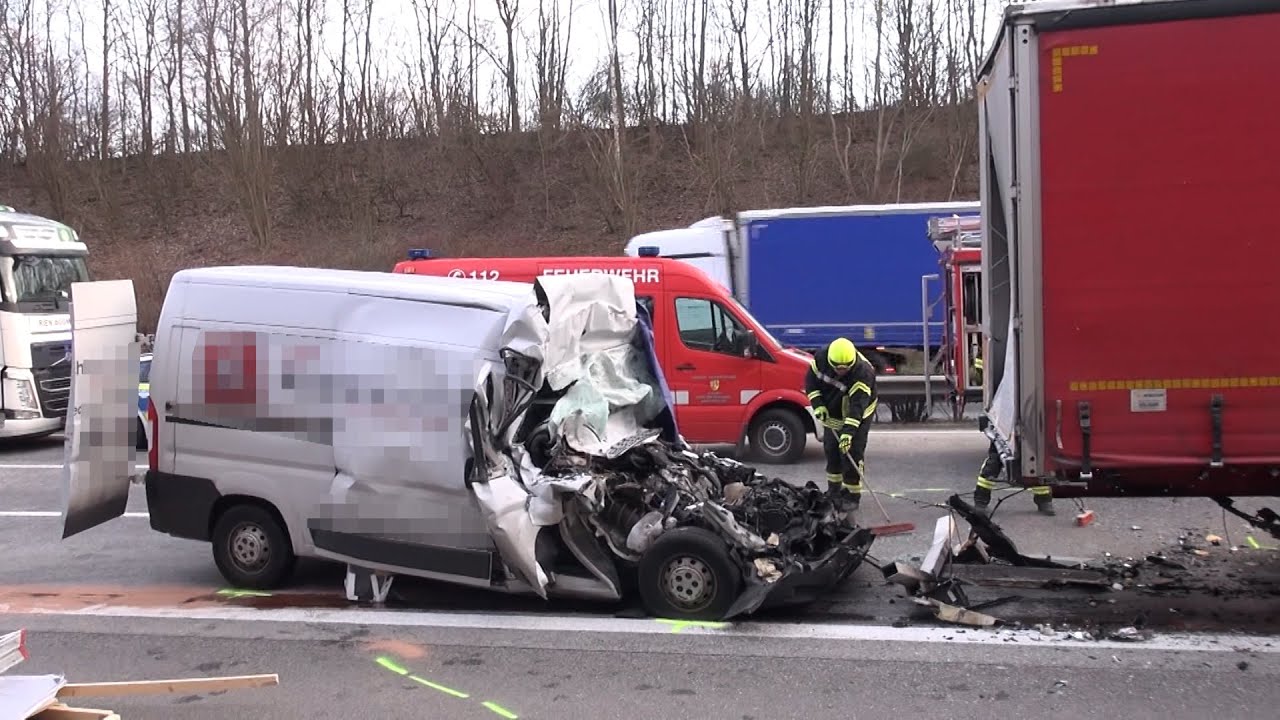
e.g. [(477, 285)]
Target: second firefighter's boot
[(981, 498), (852, 500), (835, 485), (1045, 501)]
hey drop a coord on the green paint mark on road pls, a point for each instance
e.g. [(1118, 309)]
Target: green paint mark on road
[(441, 688), (495, 707), (678, 625), (392, 665), (399, 669), (1257, 545), (232, 592)]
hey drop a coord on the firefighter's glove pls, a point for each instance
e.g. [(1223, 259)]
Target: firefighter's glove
[(820, 412), (845, 441)]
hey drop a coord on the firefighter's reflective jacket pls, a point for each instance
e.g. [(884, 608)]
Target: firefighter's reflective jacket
[(851, 398)]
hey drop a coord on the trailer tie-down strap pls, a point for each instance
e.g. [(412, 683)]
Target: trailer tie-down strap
[(1215, 411), (1086, 440)]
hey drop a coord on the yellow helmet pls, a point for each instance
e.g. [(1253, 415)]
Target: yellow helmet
[(842, 352)]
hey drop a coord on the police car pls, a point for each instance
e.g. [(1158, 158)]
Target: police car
[(144, 394)]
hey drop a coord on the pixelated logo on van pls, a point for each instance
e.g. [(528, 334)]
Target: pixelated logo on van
[(227, 368)]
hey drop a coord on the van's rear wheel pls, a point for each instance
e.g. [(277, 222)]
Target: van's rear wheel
[(777, 436), (251, 548), (687, 575)]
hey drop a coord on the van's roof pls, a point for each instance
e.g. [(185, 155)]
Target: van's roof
[(490, 294)]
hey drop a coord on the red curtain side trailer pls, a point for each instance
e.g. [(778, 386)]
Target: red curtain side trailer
[(1130, 171)]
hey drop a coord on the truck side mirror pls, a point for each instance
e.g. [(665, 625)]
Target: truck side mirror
[(750, 343)]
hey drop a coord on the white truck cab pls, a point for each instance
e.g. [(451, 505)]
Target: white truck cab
[(702, 245), (39, 260)]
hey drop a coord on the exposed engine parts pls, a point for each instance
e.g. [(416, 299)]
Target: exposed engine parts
[(651, 487)]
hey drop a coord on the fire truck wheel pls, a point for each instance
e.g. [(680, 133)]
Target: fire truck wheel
[(777, 436)]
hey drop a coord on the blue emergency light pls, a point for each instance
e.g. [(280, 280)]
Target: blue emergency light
[(419, 254), (648, 251)]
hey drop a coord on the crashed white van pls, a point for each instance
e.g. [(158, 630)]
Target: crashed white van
[(511, 436)]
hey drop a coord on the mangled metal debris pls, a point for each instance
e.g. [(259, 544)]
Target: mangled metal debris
[(584, 480), (957, 615), (986, 557)]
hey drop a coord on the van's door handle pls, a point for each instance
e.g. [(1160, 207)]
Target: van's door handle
[(168, 405), (686, 366)]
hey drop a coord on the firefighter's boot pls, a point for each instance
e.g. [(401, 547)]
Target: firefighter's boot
[(1044, 500), (982, 499), (982, 494), (838, 493), (835, 491)]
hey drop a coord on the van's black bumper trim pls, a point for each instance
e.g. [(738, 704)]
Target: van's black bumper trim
[(180, 505), (176, 420), (415, 556)]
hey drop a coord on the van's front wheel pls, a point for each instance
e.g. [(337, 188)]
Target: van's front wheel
[(687, 574), (777, 436), (251, 548)]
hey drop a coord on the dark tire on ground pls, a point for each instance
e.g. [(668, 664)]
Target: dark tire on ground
[(141, 444), (777, 436), (251, 548), (687, 574)]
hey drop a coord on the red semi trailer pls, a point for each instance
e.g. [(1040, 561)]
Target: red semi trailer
[(1130, 168)]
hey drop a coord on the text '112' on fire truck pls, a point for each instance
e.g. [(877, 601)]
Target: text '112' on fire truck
[(39, 260), (734, 383)]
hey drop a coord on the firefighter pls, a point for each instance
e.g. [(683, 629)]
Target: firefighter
[(990, 471), (841, 386)]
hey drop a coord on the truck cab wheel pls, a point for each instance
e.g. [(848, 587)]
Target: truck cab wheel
[(251, 549), (777, 436), (687, 575)]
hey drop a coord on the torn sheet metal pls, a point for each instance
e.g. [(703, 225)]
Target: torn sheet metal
[(998, 544), (505, 503), (591, 354), (958, 615)]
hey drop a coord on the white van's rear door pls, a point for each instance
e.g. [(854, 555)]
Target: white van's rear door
[(103, 406)]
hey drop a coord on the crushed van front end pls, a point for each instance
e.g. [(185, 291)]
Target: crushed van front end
[(587, 486)]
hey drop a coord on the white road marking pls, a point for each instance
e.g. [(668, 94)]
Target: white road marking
[(55, 514), (1217, 643), (38, 466), (924, 431)]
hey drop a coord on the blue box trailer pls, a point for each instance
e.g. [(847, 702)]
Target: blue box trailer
[(810, 275), (814, 274)]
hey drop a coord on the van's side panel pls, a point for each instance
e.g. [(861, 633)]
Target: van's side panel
[(220, 440), (354, 433)]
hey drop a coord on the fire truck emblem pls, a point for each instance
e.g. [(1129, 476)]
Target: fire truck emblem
[(715, 385)]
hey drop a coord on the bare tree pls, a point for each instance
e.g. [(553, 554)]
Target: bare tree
[(551, 62), (507, 10)]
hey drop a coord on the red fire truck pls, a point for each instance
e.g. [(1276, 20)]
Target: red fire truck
[(733, 382), (959, 243)]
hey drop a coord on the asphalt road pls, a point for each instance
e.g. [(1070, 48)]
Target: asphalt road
[(121, 602)]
